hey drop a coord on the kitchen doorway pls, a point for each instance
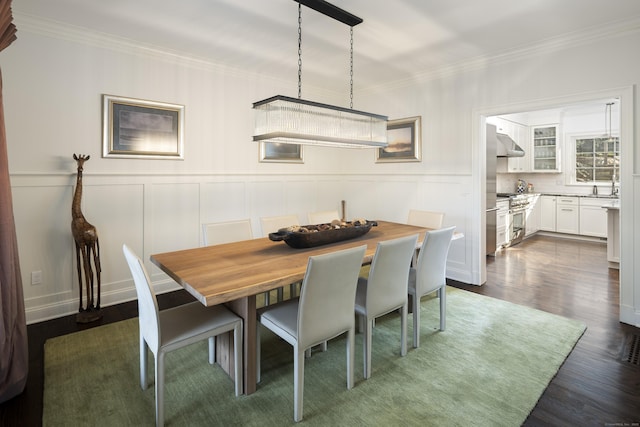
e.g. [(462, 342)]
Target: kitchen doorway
[(625, 97)]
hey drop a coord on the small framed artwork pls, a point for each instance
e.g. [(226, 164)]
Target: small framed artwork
[(135, 128), (405, 144), (276, 152)]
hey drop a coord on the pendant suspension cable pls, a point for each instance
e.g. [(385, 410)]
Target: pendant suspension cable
[(299, 51), (351, 70)]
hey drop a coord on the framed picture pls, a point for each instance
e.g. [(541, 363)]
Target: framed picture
[(276, 152), (135, 128), (405, 144)]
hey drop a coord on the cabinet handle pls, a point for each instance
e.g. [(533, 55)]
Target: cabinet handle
[(567, 210)]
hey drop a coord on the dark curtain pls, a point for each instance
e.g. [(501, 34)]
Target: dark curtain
[(14, 358)]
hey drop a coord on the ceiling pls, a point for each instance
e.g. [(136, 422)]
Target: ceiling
[(398, 40)]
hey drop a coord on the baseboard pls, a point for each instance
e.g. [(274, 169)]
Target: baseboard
[(569, 236), (629, 315), (64, 308)]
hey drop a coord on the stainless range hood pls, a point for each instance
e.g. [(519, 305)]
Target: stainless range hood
[(507, 147)]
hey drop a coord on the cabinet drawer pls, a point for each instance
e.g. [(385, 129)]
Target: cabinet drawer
[(593, 201), (567, 219), (567, 200)]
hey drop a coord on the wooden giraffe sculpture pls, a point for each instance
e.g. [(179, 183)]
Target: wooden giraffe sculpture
[(87, 247)]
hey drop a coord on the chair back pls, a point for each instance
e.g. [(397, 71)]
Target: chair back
[(427, 219), (217, 233), (323, 217), (389, 274), (148, 312), (432, 260), (272, 224), (327, 298)]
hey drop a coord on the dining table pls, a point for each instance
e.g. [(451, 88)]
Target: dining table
[(235, 273)]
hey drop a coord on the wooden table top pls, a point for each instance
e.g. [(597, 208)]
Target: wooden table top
[(222, 273)]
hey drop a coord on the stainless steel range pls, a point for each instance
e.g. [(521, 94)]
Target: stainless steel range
[(518, 204)]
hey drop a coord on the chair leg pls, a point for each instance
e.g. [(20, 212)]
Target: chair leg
[(267, 298), (366, 346), (143, 363), (212, 350), (292, 290), (280, 294), (324, 346), (403, 330), (351, 339), (237, 357), (159, 388), (416, 321), (298, 383), (443, 307)]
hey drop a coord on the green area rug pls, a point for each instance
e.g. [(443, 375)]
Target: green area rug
[(488, 368)]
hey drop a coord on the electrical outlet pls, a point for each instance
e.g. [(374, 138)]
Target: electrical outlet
[(36, 277)]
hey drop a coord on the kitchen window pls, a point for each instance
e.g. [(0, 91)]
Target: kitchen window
[(596, 159)]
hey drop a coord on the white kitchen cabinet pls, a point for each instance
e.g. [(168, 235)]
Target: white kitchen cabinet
[(502, 223), (522, 136), (533, 215), (545, 148), (568, 214), (593, 218), (547, 213)]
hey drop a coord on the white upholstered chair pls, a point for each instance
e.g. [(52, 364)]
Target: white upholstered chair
[(217, 233), (322, 217), (168, 330), (323, 311), (385, 290), (427, 219), (429, 275), (271, 224)]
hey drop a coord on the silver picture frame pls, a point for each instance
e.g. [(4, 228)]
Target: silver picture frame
[(405, 142), (137, 128), (275, 152)]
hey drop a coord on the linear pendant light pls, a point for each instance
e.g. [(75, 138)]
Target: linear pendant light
[(282, 119)]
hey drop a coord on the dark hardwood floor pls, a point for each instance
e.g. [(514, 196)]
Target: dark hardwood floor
[(571, 278)]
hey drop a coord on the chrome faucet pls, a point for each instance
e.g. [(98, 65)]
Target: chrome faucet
[(614, 190)]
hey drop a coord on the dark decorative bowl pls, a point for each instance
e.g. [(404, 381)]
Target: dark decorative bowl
[(310, 239)]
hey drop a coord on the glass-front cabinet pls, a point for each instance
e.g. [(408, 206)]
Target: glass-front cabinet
[(545, 143)]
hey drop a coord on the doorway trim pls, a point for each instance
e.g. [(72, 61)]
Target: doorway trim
[(629, 310)]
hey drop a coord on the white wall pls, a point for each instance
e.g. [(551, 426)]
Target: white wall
[(53, 82)]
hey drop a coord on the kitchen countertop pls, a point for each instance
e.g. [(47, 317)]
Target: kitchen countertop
[(591, 196), (612, 204)]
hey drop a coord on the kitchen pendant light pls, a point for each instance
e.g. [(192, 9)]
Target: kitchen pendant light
[(283, 119), (608, 123)]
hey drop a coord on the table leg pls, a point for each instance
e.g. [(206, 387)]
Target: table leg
[(245, 308)]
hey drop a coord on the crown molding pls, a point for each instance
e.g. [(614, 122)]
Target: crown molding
[(543, 47), (63, 31)]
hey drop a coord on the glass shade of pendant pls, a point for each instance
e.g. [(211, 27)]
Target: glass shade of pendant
[(297, 121)]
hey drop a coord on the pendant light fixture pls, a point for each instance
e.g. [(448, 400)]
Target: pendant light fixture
[(607, 123), (283, 119)]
